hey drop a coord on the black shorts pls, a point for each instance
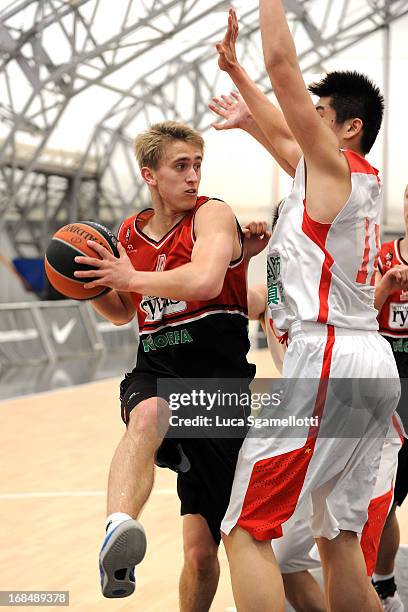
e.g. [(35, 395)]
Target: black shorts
[(206, 487), (400, 347), (401, 480)]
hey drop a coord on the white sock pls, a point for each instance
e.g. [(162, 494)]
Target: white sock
[(115, 519), (379, 577)]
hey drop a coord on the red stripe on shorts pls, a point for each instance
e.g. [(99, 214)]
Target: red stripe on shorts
[(371, 535), (276, 483)]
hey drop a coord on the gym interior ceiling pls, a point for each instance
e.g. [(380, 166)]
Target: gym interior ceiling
[(78, 78)]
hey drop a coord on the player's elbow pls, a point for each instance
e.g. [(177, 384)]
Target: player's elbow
[(275, 58), (122, 316), (277, 64)]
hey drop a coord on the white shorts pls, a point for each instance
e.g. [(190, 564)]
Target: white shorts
[(296, 551), (335, 463)]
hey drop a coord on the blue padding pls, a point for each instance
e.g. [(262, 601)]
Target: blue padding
[(32, 270)]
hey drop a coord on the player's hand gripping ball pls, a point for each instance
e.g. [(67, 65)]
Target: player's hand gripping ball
[(69, 242)]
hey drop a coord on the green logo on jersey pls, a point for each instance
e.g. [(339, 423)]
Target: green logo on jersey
[(276, 294), (400, 345), (170, 338)]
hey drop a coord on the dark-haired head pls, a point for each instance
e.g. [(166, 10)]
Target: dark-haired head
[(353, 97)]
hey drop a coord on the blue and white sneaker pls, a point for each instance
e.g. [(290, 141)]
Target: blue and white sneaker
[(123, 548)]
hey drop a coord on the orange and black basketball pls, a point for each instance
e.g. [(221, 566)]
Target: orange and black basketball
[(66, 244)]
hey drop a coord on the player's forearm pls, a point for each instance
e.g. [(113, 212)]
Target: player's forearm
[(187, 283), (268, 126), (382, 291), (113, 307), (253, 129), (277, 41), (256, 305)]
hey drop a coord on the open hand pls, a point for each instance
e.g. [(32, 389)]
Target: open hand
[(111, 271), (227, 58), (233, 109), (256, 238)]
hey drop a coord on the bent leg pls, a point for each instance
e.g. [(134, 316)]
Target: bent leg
[(255, 576), (201, 570), (389, 544), (132, 469), (303, 592), (342, 556)]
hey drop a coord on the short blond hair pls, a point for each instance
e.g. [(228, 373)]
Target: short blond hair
[(150, 145)]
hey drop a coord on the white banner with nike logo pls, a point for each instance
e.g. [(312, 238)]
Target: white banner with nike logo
[(34, 332)]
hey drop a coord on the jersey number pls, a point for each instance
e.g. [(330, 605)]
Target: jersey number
[(362, 274)]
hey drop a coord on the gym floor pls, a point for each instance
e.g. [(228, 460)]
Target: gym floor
[(56, 449)]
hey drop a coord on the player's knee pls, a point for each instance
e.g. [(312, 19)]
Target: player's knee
[(201, 559), (149, 417)]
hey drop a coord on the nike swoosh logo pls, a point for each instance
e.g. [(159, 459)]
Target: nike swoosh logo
[(61, 335)]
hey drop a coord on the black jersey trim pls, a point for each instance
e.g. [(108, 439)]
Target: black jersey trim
[(207, 308), (193, 234), (397, 248), (149, 326), (152, 240), (394, 334), (195, 319), (239, 259), (236, 261)]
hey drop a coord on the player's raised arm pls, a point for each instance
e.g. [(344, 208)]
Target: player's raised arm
[(317, 141), (268, 117)]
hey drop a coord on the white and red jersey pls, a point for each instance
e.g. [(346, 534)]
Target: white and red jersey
[(276, 342), (393, 316), (189, 339), (325, 272)]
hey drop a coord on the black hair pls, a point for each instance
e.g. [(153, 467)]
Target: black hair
[(276, 212), (353, 95)]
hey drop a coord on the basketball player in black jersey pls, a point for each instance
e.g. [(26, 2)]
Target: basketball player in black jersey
[(189, 251)]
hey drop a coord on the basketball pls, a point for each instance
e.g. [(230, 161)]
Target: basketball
[(66, 244)]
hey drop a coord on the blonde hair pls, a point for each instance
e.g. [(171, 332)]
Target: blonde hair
[(150, 145)]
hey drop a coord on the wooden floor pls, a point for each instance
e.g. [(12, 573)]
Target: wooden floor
[(56, 451)]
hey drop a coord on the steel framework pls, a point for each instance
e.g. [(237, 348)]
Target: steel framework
[(51, 51)]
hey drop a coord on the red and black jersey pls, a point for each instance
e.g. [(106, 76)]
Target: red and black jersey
[(194, 339), (393, 316)]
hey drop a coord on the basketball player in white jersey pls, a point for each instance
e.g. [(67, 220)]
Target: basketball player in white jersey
[(296, 552), (293, 552), (392, 303), (321, 272)]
